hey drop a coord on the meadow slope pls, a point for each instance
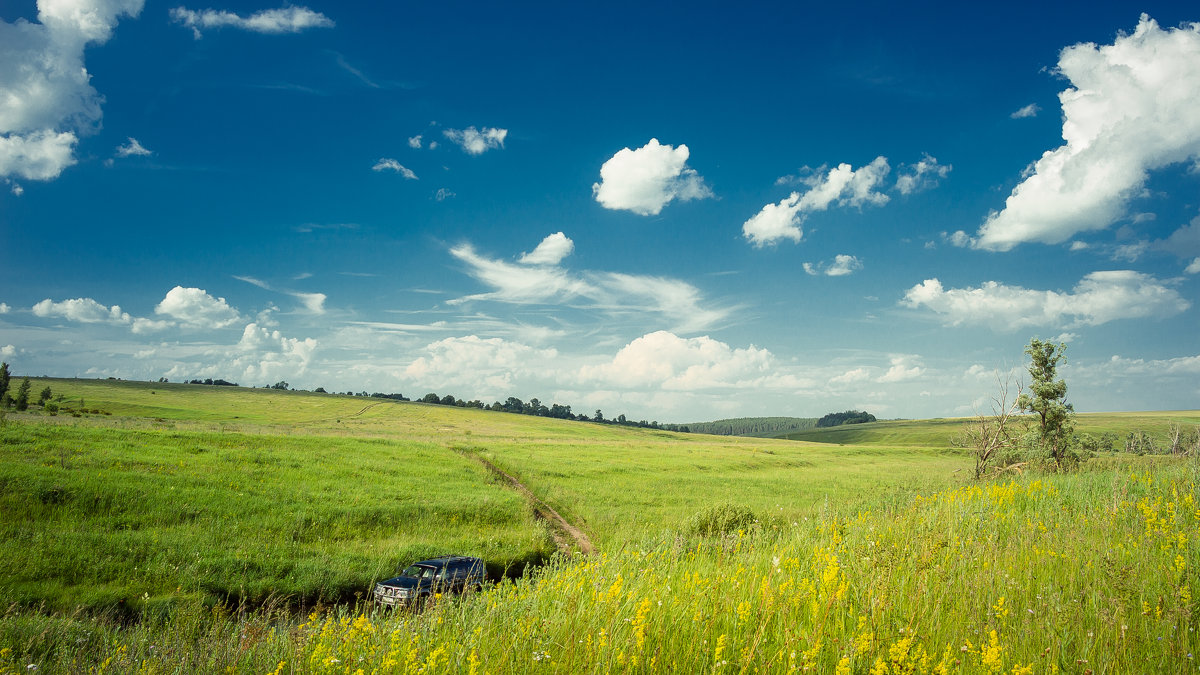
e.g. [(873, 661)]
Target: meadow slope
[(177, 533)]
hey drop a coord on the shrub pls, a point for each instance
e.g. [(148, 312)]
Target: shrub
[(721, 519)]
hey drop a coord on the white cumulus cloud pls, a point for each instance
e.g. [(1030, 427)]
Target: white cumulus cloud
[(273, 351), (647, 179), (489, 366), (4, 308), (1098, 298), (273, 21), (389, 164), (415, 142), (663, 360), (1193, 267), (1131, 109), (46, 97), (195, 307), (903, 368), (83, 310), (551, 251), (475, 141), (8, 351), (842, 185)]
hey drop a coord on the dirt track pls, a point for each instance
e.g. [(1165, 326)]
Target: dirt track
[(567, 536)]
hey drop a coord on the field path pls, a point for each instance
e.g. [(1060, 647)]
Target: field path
[(567, 536), (360, 412)]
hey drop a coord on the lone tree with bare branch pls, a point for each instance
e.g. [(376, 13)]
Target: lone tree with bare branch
[(993, 438), (1047, 398)]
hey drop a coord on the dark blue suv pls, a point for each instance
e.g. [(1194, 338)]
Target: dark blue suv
[(420, 580)]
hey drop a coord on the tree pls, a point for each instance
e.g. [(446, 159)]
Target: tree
[(44, 396), (990, 437), (22, 400), (4, 377), (1047, 397)]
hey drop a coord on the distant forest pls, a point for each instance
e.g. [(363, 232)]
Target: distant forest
[(754, 426), (848, 417)]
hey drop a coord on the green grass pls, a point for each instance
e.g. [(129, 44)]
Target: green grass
[(938, 433), (625, 486), (104, 518), (124, 535)]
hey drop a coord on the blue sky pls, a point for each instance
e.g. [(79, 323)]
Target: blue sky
[(676, 215)]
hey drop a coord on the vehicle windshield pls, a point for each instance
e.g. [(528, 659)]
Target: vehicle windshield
[(418, 572)]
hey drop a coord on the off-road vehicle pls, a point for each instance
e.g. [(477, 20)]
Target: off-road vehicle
[(421, 580)]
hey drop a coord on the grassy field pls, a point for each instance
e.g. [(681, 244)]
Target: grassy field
[(180, 532), (938, 433)]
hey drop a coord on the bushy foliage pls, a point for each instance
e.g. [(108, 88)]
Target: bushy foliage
[(1140, 443), (721, 519), (847, 417)]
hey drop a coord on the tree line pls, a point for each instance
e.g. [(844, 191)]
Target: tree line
[(555, 411), (754, 426), (511, 405)]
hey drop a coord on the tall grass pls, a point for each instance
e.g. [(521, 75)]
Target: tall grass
[(1089, 572), (185, 532), (122, 520)]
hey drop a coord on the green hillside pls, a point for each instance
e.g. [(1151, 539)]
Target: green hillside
[(938, 433), (230, 493), (191, 528)]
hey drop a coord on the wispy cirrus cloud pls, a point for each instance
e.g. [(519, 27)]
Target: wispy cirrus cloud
[(389, 164), (540, 280), (1024, 112), (133, 148), (923, 175), (291, 19), (314, 303), (517, 283)]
